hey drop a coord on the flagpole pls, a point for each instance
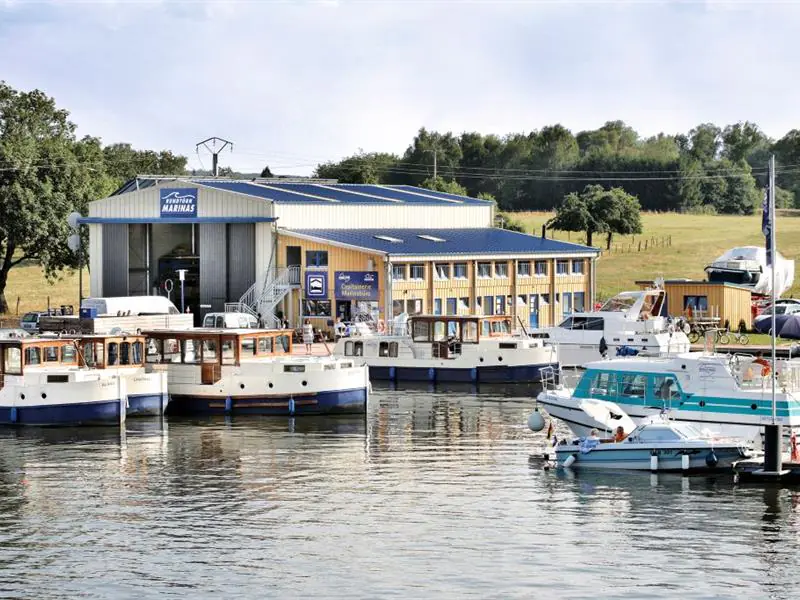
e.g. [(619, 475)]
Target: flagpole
[(772, 258)]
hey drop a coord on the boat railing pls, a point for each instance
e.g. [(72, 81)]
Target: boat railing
[(550, 378), (756, 376)]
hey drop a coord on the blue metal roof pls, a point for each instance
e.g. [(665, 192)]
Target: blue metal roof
[(473, 241), (317, 192)]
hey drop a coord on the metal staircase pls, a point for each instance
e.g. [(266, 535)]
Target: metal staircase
[(265, 300)]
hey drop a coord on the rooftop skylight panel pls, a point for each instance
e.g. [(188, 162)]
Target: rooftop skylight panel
[(388, 238), (431, 238)]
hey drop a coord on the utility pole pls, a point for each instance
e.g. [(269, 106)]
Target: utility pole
[(214, 141)]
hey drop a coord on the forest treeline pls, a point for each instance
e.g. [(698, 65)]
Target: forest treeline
[(710, 169)]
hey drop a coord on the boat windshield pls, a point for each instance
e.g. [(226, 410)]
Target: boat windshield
[(621, 302)]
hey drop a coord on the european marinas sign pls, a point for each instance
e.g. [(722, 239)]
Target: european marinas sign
[(179, 202)]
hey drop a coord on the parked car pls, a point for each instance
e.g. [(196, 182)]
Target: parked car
[(230, 320)]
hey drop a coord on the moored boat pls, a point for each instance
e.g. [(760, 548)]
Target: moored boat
[(252, 371), (46, 382), (629, 323), (730, 395), (660, 445), (450, 348)]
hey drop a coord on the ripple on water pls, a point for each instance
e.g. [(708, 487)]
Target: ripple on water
[(431, 495)]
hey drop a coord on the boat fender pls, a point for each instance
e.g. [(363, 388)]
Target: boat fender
[(536, 421), (654, 462), (570, 461), (711, 459), (685, 462), (291, 406)]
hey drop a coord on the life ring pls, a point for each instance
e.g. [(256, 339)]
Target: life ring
[(381, 326)]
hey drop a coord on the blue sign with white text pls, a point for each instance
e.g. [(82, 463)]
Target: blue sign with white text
[(357, 285), (316, 284), (179, 202)]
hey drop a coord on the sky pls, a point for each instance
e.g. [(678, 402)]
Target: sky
[(293, 84)]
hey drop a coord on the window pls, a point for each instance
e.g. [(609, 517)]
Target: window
[(451, 306), (398, 272), (387, 349), (172, 350), (562, 267), (577, 267), (420, 331), (12, 359), (388, 238), (488, 305), (414, 306), (463, 304), (696, 303), (51, 354), (579, 300), (317, 308), (33, 355), (632, 386), (501, 269), (137, 349), (522, 300), (283, 344), (210, 351), (228, 350), (460, 270), (500, 305), (265, 345), (442, 271), (191, 351), (431, 238), (470, 332), (417, 271), (68, 354), (524, 268), (437, 306), (545, 298), (397, 308), (665, 389), (603, 384), (484, 269), (125, 353), (540, 268), (316, 259)]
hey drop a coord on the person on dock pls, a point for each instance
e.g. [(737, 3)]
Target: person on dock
[(308, 335)]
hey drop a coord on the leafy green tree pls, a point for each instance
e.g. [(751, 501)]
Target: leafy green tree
[(266, 172), (622, 214), (704, 142), (741, 141), (47, 174), (374, 167), (575, 213), (123, 162), (439, 184)]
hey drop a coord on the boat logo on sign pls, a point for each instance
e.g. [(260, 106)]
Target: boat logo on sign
[(179, 202), (316, 285)]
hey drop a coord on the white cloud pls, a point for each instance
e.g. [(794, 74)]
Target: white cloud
[(297, 83)]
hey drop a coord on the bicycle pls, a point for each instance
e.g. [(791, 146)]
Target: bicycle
[(739, 337)]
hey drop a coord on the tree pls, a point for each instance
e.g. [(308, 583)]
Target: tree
[(375, 167), (704, 142), (597, 210), (439, 184), (265, 172), (47, 175), (123, 162)]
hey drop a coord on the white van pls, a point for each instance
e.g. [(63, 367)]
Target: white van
[(230, 320), (125, 306)]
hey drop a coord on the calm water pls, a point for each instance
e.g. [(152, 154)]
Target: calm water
[(430, 496)]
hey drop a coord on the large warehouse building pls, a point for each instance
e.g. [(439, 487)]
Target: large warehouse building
[(318, 250)]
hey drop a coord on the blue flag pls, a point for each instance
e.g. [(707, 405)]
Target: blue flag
[(766, 226)]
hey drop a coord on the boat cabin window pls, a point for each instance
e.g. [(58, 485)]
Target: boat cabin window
[(650, 434), (190, 350), (603, 384), (228, 350), (33, 355), (265, 345), (582, 323), (113, 354), (387, 349), (470, 331), (51, 354), (354, 349), (632, 386), (665, 388), (69, 354), (621, 302), (12, 360), (172, 350), (283, 344), (138, 351), (420, 330), (210, 351)]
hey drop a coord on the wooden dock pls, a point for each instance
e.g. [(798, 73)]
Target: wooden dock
[(780, 351), (752, 471)]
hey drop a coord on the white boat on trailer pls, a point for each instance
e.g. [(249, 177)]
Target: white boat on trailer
[(252, 371), (629, 323), (450, 348)]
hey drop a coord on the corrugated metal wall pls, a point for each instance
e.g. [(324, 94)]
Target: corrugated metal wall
[(95, 260), (213, 263), (241, 258), (115, 259)]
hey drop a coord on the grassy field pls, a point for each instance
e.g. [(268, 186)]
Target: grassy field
[(696, 241)]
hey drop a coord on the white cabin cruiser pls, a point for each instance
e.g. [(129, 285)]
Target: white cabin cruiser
[(660, 445), (69, 381), (729, 395), (629, 323), (252, 371), (450, 348), (747, 266)]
